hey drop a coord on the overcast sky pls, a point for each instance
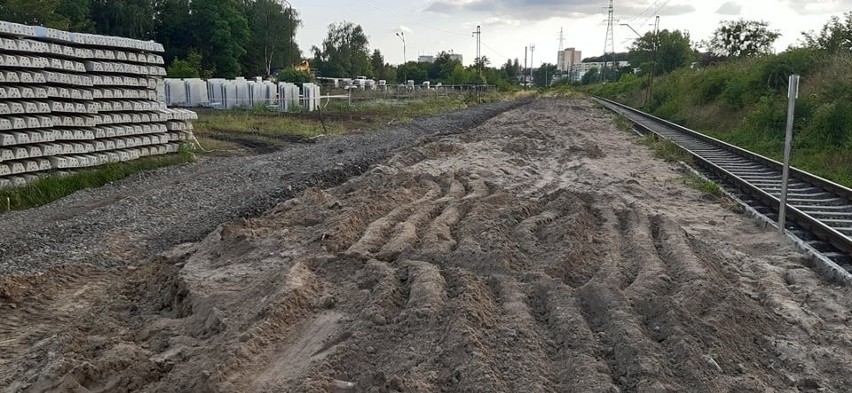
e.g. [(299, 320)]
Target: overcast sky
[(431, 26)]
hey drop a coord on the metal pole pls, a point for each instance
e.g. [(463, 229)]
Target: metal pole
[(650, 92), (792, 94), (523, 74)]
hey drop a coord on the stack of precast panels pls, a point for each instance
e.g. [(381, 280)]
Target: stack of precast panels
[(70, 100)]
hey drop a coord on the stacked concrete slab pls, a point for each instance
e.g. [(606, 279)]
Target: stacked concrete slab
[(310, 96), (288, 97), (70, 100), (240, 92)]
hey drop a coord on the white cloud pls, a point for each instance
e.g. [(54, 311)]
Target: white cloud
[(730, 8), (819, 6)]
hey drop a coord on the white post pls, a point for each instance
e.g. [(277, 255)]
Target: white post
[(792, 94)]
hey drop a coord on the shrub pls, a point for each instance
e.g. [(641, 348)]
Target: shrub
[(293, 76), (768, 116), (182, 69), (711, 82), (832, 124), (776, 70)]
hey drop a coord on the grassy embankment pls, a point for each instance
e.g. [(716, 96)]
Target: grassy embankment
[(744, 103), (252, 126)]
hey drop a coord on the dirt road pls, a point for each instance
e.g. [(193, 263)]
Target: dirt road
[(543, 251)]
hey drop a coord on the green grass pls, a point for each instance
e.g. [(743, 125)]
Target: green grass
[(52, 188), (623, 123), (705, 186), (666, 150), (259, 122)]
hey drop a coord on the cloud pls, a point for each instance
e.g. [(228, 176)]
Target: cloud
[(494, 21), (651, 8), (816, 7), (513, 11), (730, 8), (519, 9)]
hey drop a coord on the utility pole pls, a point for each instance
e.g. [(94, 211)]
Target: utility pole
[(609, 41), (526, 55), (478, 35), (532, 61), (561, 53), (654, 62)]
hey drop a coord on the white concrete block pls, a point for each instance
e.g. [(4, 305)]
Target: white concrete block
[(17, 167), (7, 139)]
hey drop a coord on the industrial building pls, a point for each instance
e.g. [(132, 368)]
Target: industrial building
[(568, 58)]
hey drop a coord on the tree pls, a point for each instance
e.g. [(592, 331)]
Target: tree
[(442, 68), (835, 36), (544, 74), (221, 33), (590, 76), (345, 52), (742, 38), (39, 13), (124, 18), (621, 56), (377, 61), (78, 13), (674, 50), (174, 29), (412, 71), (273, 31), (512, 69)]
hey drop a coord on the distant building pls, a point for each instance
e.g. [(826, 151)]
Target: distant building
[(568, 58), (431, 59), (579, 70)]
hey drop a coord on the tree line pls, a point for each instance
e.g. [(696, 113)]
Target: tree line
[(205, 38), (668, 50)]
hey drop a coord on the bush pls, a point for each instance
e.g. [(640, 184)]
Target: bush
[(182, 69), (188, 68), (293, 76), (832, 124), (776, 70), (711, 82), (768, 116)]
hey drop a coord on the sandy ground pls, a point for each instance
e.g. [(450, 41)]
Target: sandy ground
[(543, 251)]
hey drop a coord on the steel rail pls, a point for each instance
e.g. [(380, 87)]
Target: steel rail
[(818, 205)]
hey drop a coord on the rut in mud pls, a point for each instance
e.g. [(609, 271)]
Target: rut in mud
[(542, 251)]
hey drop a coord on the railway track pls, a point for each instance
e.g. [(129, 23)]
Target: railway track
[(819, 211)]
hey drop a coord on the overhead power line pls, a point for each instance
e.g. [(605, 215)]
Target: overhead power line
[(409, 20)]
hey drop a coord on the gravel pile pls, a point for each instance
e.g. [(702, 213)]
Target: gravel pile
[(131, 220)]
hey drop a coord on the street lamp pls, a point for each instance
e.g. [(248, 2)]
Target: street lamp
[(401, 36)]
